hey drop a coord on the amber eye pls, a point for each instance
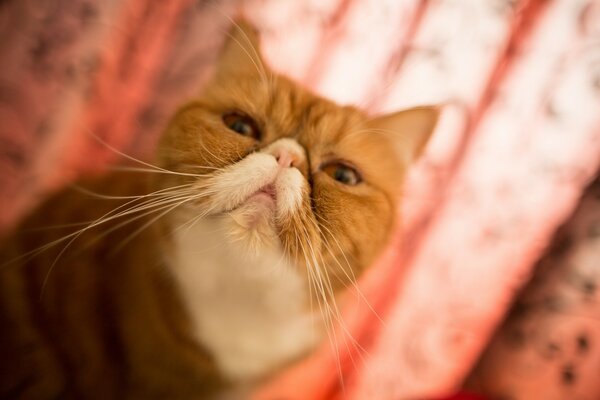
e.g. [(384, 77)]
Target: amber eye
[(342, 173), (241, 124)]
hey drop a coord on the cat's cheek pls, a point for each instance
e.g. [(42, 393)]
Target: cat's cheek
[(290, 187)]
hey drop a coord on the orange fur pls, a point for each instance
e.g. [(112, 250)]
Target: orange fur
[(105, 318)]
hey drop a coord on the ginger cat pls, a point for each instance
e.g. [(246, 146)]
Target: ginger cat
[(200, 272)]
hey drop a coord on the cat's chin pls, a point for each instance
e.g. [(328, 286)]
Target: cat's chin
[(253, 223)]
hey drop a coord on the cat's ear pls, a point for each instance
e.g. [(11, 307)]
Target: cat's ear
[(241, 52), (409, 130)]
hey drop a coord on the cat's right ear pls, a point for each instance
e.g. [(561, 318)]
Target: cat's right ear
[(241, 52), (409, 130)]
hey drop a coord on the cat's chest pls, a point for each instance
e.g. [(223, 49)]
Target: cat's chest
[(251, 312)]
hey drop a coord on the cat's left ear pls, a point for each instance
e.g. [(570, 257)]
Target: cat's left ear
[(410, 130), (241, 52)]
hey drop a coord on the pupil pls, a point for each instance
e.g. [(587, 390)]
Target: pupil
[(240, 127), (343, 175)]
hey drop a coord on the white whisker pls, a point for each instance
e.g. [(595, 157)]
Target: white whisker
[(154, 171), (161, 205), (129, 157), (329, 313), (350, 276)]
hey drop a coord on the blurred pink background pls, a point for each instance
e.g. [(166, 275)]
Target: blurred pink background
[(452, 304)]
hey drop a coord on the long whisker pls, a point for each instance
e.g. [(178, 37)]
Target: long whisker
[(89, 192), (205, 149), (289, 251), (319, 295), (339, 318), (338, 315), (342, 324), (89, 225), (159, 193), (350, 276), (152, 221), (185, 165), (162, 205), (330, 311), (335, 313), (155, 171), (129, 157)]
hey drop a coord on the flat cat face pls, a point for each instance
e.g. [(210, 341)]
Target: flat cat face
[(293, 171)]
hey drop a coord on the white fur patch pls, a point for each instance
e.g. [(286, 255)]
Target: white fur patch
[(289, 186), (250, 311), (236, 183), (249, 306), (239, 181)]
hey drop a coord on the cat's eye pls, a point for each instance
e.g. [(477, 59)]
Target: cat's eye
[(342, 173), (242, 124)]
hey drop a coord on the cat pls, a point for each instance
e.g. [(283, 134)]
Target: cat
[(216, 264)]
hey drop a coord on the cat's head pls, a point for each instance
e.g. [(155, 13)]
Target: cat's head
[(291, 170)]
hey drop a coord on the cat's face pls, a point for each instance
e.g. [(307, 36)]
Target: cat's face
[(291, 170)]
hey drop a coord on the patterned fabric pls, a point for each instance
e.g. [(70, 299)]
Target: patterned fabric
[(518, 143), (550, 338)]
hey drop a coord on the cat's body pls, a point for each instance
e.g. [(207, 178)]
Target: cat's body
[(218, 263), (99, 323)]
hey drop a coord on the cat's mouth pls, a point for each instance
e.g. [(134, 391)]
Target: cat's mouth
[(268, 191), (266, 195), (258, 210)]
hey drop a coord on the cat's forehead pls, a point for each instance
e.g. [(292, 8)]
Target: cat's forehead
[(284, 108)]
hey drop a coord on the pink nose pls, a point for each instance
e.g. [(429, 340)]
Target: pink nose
[(285, 158), (288, 153)]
